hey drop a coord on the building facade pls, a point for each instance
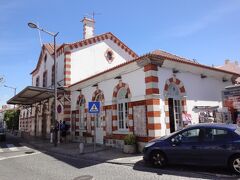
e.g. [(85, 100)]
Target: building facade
[(149, 96)]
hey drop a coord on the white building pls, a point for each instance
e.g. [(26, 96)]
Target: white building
[(149, 96)]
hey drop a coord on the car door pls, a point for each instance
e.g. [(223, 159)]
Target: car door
[(185, 146), (216, 146)]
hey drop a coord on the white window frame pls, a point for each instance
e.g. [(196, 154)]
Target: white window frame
[(123, 120)]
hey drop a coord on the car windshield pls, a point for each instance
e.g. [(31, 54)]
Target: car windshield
[(167, 136)]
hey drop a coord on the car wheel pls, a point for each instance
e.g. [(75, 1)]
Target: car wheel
[(158, 159), (235, 164)]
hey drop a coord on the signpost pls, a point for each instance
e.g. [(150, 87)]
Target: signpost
[(94, 108)]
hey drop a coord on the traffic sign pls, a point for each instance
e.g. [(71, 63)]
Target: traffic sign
[(94, 107)]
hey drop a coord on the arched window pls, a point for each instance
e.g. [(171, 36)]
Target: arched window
[(45, 79), (173, 92), (45, 62), (37, 81), (122, 108)]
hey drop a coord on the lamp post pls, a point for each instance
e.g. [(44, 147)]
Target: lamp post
[(15, 90), (54, 35)]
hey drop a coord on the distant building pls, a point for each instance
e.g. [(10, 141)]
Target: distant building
[(231, 66), (149, 96)]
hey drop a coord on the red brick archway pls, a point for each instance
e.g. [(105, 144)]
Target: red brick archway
[(182, 91)]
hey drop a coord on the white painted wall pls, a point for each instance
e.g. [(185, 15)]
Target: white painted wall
[(49, 64), (199, 92), (134, 79), (60, 69), (89, 60), (42, 69)]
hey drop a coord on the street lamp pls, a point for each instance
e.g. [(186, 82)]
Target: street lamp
[(15, 90), (54, 35)]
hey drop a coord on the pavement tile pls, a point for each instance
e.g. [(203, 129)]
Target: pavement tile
[(101, 153)]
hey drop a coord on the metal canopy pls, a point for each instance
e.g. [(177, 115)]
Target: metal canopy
[(31, 95)]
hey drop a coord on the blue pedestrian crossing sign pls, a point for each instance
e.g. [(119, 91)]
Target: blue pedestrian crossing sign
[(94, 107)]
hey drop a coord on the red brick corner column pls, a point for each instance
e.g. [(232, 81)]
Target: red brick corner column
[(152, 101), (67, 108), (67, 68)]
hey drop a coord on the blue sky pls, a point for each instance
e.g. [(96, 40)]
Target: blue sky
[(208, 31)]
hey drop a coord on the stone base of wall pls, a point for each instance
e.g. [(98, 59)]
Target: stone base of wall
[(120, 143), (89, 140), (114, 143)]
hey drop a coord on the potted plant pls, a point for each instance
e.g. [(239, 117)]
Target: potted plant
[(129, 144)]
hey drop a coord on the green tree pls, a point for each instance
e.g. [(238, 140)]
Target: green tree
[(11, 117)]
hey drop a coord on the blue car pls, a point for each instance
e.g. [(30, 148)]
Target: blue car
[(201, 144)]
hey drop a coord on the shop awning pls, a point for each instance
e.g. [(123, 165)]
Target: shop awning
[(206, 108), (31, 95)]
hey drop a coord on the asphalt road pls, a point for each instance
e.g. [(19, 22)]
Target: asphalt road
[(19, 161)]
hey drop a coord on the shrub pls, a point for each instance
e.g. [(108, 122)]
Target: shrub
[(130, 139)]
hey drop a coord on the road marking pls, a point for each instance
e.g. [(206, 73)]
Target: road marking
[(17, 156), (1, 150), (11, 147), (136, 160), (119, 159)]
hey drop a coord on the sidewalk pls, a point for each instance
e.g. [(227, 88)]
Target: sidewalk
[(101, 153)]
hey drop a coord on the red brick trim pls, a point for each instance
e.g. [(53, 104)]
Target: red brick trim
[(155, 126), (67, 68), (114, 128), (152, 91), (102, 37), (150, 67), (96, 93), (67, 112), (182, 90), (119, 86), (153, 114), (178, 83), (67, 106), (138, 103), (151, 79), (153, 102), (108, 107), (114, 117)]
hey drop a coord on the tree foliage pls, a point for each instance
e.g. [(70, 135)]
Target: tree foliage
[(11, 117)]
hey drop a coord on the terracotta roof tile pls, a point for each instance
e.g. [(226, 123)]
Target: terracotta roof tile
[(172, 56), (49, 46), (158, 54)]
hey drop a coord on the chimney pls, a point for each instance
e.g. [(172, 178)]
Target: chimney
[(88, 27), (227, 61)]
